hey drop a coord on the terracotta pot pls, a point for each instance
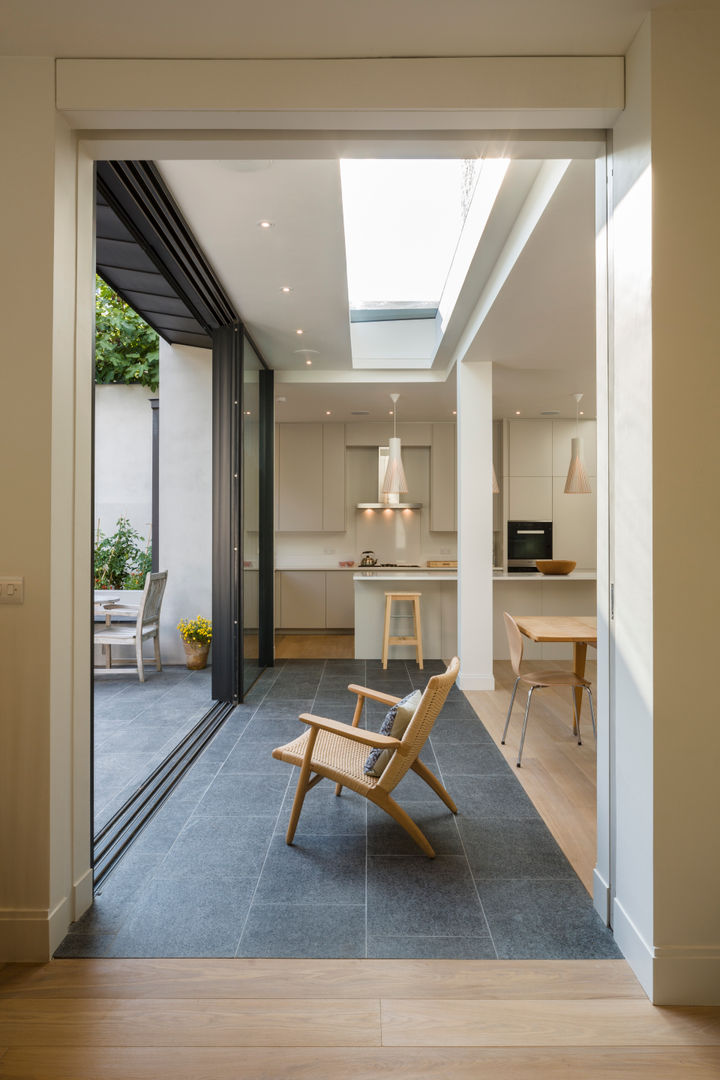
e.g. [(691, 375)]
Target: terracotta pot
[(196, 654)]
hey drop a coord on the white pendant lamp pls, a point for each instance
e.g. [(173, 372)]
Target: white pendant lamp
[(495, 485), (394, 482), (577, 482)]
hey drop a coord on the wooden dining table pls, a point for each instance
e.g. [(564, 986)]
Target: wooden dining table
[(581, 630)]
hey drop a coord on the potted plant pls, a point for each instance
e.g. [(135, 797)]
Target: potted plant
[(196, 636)]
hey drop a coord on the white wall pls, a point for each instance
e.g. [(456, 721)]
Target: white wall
[(185, 525), (123, 457)]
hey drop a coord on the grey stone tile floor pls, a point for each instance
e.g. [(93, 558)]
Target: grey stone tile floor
[(137, 725), (211, 875)]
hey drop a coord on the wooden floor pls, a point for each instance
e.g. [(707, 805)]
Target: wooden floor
[(557, 774), (344, 1020), (314, 646)]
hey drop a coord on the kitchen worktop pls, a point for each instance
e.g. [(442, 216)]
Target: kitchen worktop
[(289, 565), (392, 573), (576, 575)]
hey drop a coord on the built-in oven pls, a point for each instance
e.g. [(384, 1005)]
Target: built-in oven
[(526, 542)]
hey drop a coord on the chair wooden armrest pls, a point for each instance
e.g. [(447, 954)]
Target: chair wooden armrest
[(375, 695), (355, 734)]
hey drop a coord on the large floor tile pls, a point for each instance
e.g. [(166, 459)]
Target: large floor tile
[(545, 919), (195, 914), (324, 813), (236, 848), (468, 759), (315, 869), (417, 947), (386, 837), (512, 849), (234, 795), (417, 895), (318, 931), (491, 798)]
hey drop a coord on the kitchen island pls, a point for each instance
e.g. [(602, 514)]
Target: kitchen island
[(438, 608), (524, 593)]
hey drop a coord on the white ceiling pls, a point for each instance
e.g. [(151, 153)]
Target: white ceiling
[(322, 28), (539, 332)]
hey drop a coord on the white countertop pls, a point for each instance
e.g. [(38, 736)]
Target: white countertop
[(285, 565), (393, 574), (576, 575)]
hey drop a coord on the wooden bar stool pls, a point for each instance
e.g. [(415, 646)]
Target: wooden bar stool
[(416, 638)]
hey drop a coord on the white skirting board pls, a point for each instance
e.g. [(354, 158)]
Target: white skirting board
[(669, 974)]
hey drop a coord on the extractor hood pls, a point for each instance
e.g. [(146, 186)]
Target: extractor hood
[(385, 501)]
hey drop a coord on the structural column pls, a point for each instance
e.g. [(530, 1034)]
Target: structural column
[(475, 524)]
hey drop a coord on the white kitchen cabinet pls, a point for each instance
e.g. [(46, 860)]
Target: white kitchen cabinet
[(301, 599), (443, 478), (339, 600), (575, 525), (530, 450), (333, 478), (530, 498), (311, 478)]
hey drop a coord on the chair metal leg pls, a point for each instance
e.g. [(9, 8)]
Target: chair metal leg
[(507, 718), (577, 718), (592, 711), (525, 720)]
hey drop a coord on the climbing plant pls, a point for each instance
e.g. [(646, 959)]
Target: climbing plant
[(126, 348)]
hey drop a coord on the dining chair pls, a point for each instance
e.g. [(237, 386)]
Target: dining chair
[(339, 751), (539, 680), (146, 626)]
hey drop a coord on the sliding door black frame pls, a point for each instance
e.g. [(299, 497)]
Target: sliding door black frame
[(228, 683)]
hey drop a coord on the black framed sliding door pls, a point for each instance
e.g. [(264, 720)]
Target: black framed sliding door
[(242, 514)]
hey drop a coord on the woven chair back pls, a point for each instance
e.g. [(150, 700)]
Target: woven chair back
[(149, 610), (420, 726), (515, 642)]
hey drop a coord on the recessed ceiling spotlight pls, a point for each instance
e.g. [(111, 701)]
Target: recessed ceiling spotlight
[(248, 413), (286, 289), (454, 412), (265, 224), (328, 413), (281, 400), (308, 362), (582, 413), (299, 331), (517, 412)]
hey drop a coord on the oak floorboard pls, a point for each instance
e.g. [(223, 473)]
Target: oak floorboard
[(158, 1022), (385, 1063), (546, 1023), (341, 979), (314, 646)]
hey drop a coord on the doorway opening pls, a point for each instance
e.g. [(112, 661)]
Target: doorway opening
[(278, 693)]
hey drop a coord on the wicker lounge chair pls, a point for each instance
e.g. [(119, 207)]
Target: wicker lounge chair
[(339, 751)]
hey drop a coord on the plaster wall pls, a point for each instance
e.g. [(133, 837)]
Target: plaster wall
[(123, 457), (685, 84), (185, 526)]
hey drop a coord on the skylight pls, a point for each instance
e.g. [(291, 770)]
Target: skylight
[(403, 220)]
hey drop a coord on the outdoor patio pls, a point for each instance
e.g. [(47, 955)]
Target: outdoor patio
[(211, 874)]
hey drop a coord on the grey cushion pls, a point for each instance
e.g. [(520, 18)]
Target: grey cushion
[(395, 724)]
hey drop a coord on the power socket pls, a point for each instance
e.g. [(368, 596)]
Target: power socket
[(12, 590)]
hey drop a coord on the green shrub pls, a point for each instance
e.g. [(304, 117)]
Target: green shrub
[(121, 562), (126, 348)]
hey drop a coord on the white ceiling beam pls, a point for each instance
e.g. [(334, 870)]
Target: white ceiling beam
[(522, 92)]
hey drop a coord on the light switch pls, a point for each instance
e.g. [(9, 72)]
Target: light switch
[(11, 590)]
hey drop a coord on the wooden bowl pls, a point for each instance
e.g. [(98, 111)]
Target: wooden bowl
[(555, 566)]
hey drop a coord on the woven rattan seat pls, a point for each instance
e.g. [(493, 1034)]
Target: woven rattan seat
[(336, 751)]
